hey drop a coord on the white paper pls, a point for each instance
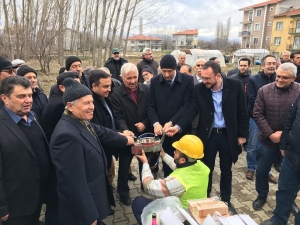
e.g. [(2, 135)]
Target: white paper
[(167, 217), (209, 220), (247, 219), (187, 216)]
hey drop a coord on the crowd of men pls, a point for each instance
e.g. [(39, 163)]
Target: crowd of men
[(59, 152)]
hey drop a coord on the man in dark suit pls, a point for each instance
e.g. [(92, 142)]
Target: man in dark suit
[(170, 96), (129, 102), (24, 160), (84, 194), (223, 123)]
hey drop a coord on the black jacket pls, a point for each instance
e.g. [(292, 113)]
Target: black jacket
[(298, 74), (52, 113), (170, 103), (243, 78), (21, 183), (234, 111), (290, 140), (39, 102), (84, 193), (126, 112), (114, 67), (141, 65), (254, 84)]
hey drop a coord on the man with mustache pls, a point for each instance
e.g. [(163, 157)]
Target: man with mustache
[(24, 160)]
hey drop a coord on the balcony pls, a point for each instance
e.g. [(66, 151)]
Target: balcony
[(246, 22), (293, 47), (294, 30), (244, 33)]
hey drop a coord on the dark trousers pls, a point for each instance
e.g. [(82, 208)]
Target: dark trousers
[(218, 142), (138, 204), (125, 158), (170, 151), (51, 214), (32, 219)]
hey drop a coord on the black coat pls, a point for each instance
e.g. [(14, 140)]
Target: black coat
[(234, 111), (84, 193), (20, 184), (39, 102), (126, 112), (170, 103), (52, 113), (114, 67)]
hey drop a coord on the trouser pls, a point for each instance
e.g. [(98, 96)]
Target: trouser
[(288, 187), (253, 141), (32, 219), (266, 156), (138, 204), (111, 171), (218, 142), (168, 148), (125, 158), (51, 214)]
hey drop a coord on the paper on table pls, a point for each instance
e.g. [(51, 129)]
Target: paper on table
[(247, 219), (237, 220), (168, 217), (209, 220), (187, 216)]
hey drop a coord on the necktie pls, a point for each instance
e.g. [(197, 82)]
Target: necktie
[(169, 82)]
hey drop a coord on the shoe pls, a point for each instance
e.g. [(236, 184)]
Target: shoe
[(111, 212), (131, 177), (277, 167), (294, 209), (231, 209), (272, 179), (267, 222), (125, 199), (249, 174), (259, 203)]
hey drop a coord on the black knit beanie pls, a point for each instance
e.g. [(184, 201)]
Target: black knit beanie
[(23, 70), (70, 60), (168, 62), (74, 90)]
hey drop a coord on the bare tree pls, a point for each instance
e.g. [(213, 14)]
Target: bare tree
[(7, 30)]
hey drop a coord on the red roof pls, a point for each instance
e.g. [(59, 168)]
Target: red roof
[(289, 13), (140, 37), (187, 32), (261, 4)]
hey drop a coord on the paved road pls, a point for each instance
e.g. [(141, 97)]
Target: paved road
[(243, 194)]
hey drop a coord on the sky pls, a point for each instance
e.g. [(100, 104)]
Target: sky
[(204, 16)]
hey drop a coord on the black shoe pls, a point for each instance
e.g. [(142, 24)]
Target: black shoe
[(125, 199), (294, 209), (131, 177), (111, 212), (259, 203), (277, 167), (231, 209)]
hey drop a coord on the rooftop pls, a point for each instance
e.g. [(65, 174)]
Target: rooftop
[(292, 12), (188, 32), (270, 2), (141, 37)]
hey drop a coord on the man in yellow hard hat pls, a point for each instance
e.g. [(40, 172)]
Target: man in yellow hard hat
[(189, 179)]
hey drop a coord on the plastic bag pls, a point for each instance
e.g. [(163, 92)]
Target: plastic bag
[(159, 205)]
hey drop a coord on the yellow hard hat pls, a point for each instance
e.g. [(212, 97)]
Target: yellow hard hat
[(190, 145)]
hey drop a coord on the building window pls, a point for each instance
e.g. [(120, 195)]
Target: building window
[(271, 8), (277, 40), (258, 12), (255, 41), (256, 27), (250, 16), (269, 24), (267, 38), (279, 25)]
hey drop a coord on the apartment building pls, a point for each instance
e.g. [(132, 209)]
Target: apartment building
[(258, 22), (185, 39), (137, 43)]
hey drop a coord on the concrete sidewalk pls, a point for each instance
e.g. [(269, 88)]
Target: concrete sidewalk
[(243, 194)]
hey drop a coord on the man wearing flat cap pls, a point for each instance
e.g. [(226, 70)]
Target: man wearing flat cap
[(73, 63), (170, 95), (147, 74), (114, 64), (84, 193), (6, 69)]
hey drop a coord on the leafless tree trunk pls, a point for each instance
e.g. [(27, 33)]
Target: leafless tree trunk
[(123, 23), (17, 29), (115, 25), (96, 30)]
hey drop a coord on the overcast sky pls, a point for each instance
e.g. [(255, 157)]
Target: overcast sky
[(204, 15)]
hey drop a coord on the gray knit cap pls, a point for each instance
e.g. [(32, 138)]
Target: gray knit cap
[(74, 90)]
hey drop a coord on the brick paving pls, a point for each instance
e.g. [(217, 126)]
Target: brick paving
[(243, 194)]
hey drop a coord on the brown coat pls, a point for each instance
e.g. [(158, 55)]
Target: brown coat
[(271, 109)]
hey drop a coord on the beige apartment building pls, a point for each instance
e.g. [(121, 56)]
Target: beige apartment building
[(258, 21)]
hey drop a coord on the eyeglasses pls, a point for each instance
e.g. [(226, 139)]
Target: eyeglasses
[(116, 53), (9, 71), (283, 78)]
